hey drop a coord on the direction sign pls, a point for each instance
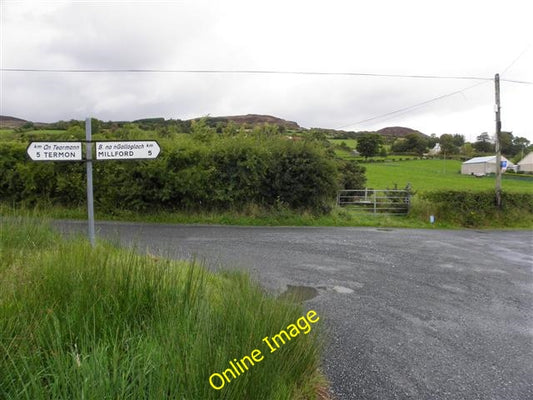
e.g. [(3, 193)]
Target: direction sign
[(127, 150), (54, 151)]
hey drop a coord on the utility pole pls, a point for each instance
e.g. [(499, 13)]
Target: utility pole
[(498, 149), (89, 164)]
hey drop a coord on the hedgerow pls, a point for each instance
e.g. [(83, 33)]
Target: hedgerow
[(476, 209), (200, 171)]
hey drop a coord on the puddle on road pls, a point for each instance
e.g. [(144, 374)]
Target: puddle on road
[(298, 293), (342, 289), (384, 229)]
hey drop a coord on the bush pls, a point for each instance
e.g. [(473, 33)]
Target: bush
[(352, 175), (474, 209), (300, 176)]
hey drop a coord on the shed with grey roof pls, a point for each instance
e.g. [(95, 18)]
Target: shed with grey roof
[(480, 166)]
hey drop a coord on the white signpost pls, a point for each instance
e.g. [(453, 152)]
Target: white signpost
[(127, 150), (54, 151), (106, 150)]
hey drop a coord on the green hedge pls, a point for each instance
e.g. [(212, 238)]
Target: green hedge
[(474, 209), (190, 174)]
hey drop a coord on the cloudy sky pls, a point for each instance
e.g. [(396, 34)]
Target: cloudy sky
[(438, 38)]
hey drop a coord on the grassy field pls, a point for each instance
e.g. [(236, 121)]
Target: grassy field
[(107, 323), (351, 143), (435, 174)]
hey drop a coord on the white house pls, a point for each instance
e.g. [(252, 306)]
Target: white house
[(526, 163), (480, 166), (435, 150)]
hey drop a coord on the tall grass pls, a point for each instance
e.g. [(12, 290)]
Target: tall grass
[(107, 323)]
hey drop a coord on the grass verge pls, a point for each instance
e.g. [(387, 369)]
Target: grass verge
[(249, 216), (418, 217), (107, 323)]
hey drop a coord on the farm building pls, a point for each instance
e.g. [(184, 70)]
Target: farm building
[(480, 166), (526, 163)]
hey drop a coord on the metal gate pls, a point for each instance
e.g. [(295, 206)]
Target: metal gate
[(388, 201)]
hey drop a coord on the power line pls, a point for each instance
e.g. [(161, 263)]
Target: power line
[(515, 60), (250, 72), (412, 107)]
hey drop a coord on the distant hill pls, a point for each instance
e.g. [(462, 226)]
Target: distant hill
[(249, 120), (7, 122), (399, 132), (253, 120)]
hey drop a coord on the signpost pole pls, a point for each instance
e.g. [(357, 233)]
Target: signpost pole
[(89, 163), (105, 150)]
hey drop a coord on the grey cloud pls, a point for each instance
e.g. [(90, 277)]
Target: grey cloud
[(207, 35)]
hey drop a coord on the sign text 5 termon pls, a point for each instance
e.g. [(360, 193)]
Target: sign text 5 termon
[(55, 151)]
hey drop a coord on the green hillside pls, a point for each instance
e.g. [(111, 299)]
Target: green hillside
[(437, 174)]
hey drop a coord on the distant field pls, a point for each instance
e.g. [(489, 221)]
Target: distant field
[(351, 143), (436, 174)]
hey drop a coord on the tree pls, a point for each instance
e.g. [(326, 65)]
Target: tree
[(411, 143), (511, 145), (483, 143), (368, 145), (484, 137), (447, 144), (506, 143), (520, 145), (416, 143), (399, 146), (458, 140), (432, 141), (468, 150)]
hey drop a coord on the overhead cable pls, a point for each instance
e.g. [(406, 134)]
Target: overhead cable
[(250, 72), (412, 107)]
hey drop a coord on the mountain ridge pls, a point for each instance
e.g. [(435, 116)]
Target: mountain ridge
[(249, 120)]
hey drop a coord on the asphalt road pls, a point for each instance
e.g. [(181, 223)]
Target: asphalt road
[(410, 314)]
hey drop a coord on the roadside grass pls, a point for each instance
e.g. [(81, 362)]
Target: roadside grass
[(108, 323), (418, 218), (248, 216), (436, 174), (461, 216)]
